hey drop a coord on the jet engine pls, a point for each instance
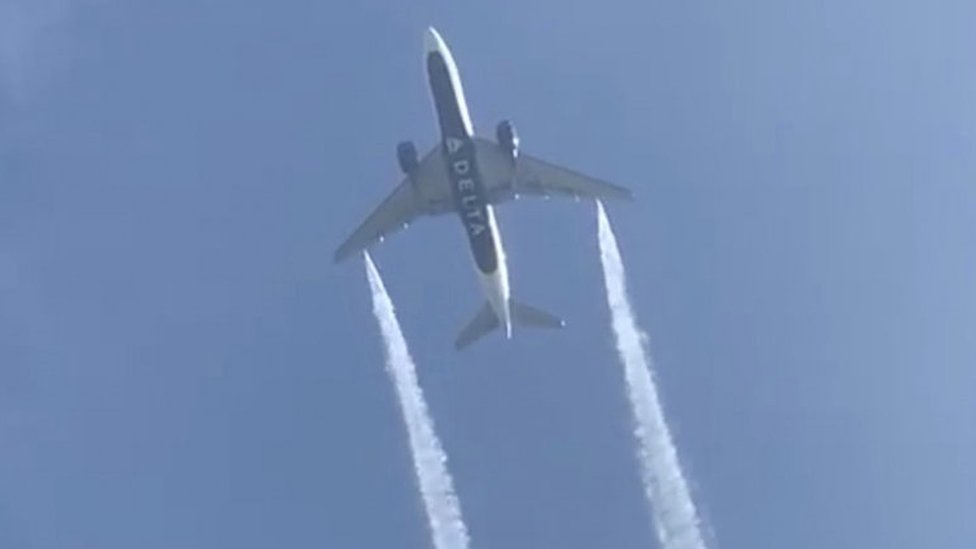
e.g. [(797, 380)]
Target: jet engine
[(508, 138), (407, 156)]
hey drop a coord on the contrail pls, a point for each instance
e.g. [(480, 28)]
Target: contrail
[(429, 460), (675, 516)]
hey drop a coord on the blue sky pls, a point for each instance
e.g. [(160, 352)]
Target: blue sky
[(181, 364)]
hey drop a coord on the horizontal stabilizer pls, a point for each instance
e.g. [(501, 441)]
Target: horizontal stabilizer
[(526, 315), (484, 322)]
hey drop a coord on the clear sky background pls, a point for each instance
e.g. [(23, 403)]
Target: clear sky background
[(182, 365)]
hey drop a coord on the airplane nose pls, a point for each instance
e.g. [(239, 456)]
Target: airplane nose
[(432, 40)]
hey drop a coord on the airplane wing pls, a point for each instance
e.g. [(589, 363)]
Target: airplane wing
[(533, 176), (427, 192)]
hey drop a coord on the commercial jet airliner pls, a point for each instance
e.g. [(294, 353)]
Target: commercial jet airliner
[(469, 175)]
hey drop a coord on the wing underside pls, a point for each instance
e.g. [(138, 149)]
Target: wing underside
[(427, 191), (533, 176), (424, 192)]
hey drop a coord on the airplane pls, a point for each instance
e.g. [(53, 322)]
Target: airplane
[(469, 175)]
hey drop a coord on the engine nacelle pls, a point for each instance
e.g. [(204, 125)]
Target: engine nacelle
[(407, 157), (508, 138)]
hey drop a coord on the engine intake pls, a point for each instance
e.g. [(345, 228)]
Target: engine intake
[(407, 157), (508, 138)]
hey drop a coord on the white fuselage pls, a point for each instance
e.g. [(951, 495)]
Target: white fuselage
[(460, 161)]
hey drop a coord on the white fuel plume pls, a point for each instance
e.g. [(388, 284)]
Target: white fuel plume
[(429, 460), (675, 517)]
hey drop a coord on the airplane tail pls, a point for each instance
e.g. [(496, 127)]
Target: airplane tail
[(485, 321)]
